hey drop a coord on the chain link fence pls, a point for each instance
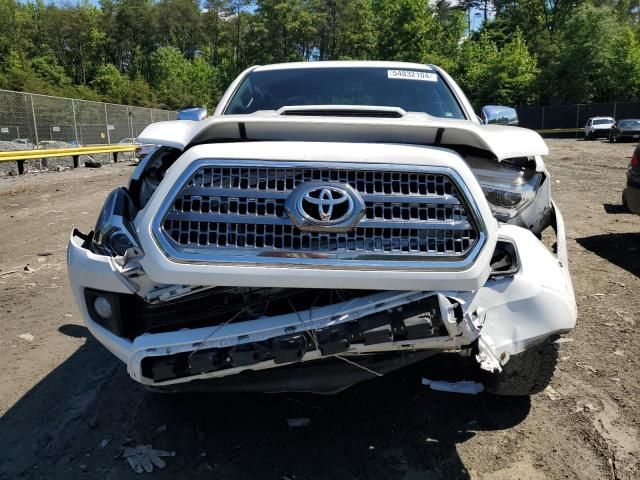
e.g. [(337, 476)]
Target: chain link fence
[(572, 117), (39, 121)]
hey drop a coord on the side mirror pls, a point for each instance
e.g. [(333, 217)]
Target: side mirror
[(192, 113), (499, 114)]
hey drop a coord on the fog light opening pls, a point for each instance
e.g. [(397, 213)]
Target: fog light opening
[(102, 307)]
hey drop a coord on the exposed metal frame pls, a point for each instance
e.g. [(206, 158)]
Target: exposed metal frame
[(295, 259)]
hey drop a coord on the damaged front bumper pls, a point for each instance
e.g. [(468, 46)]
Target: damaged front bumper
[(371, 332)]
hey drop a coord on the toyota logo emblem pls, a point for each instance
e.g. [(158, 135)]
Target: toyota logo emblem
[(325, 201), (324, 206)]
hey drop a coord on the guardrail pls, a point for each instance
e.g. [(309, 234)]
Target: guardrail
[(20, 156)]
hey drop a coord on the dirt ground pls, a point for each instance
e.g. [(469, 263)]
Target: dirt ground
[(68, 405)]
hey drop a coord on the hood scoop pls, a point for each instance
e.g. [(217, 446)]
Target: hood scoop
[(342, 111)]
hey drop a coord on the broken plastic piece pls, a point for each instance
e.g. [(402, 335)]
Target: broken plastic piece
[(564, 340), (465, 386), (377, 335), (298, 422), (333, 340), (289, 349), (487, 357), (419, 326)]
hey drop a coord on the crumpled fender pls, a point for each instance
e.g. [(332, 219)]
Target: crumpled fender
[(536, 303)]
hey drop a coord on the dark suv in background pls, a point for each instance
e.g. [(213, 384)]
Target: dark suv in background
[(625, 129), (631, 194)]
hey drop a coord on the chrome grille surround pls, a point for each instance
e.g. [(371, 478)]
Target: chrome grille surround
[(233, 212)]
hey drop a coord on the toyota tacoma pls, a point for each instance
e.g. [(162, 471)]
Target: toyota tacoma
[(329, 223)]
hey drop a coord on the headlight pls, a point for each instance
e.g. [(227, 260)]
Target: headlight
[(114, 234), (507, 201), (508, 188)]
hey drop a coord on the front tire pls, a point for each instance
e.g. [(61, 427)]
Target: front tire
[(625, 204), (526, 373)]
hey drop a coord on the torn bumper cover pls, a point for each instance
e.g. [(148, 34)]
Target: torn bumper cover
[(173, 341)]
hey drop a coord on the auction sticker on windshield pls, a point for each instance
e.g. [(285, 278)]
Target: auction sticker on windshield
[(412, 75)]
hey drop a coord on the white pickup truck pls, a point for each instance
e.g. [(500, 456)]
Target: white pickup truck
[(331, 222)]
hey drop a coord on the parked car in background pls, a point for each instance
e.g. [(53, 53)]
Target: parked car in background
[(23, 141), (598, 127), (625, 129), (631, 194), (46, 144), (74, 143)]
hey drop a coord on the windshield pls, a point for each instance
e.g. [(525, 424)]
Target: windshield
[(630, 123), (411, 90), (603, 121)]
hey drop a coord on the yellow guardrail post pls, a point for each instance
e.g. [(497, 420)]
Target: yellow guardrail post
[(20, 156)]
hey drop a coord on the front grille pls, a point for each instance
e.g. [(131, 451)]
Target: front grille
[(242, 208)]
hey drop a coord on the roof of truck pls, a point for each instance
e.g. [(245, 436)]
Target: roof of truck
[(342, 64)]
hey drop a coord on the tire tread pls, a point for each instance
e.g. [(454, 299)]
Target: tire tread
[(526, 373)]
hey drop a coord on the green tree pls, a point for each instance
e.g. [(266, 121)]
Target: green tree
[(343, 29), (404, 29), (598, 59), (281, 30), (180, 25), (495, 75), (448, 33), (179, 82), (78, 50)]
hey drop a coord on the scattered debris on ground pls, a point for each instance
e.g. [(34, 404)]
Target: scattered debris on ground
[(552, 393), (92, 164), (298, 422), (144, 458), (586, 367), (465, 386)]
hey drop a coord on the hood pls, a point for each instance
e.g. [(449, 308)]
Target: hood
[(410, 128)]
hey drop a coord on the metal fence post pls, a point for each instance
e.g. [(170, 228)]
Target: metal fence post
[(106, 122), (35, 127), (542, 119), (131, 124), (35, 123), (614, 109), (577, 118), (75, 122)]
